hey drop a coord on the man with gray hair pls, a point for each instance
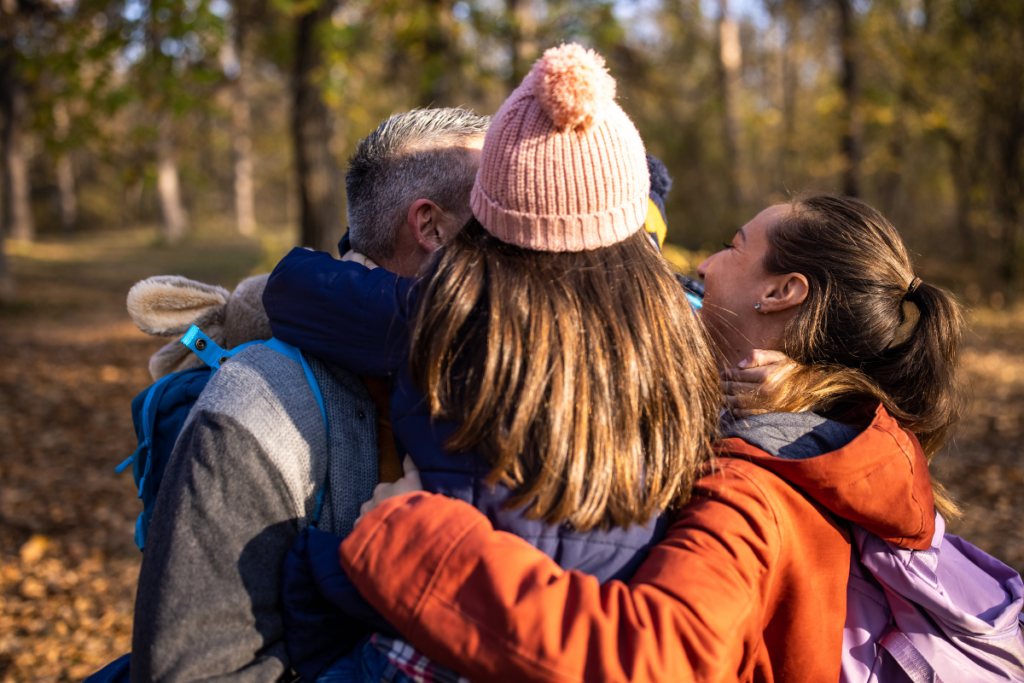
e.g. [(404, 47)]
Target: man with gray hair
[(254, 453), (408, 185)]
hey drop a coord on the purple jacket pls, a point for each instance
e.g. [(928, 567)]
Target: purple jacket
[(949, 613)]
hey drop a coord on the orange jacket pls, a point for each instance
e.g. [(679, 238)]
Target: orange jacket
[(749, 584)]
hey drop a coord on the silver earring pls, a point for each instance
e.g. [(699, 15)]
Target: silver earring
[(757, 306)]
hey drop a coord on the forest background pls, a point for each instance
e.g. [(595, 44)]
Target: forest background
[(206, 137)]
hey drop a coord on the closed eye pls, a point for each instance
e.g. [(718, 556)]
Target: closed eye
[(727, 245)]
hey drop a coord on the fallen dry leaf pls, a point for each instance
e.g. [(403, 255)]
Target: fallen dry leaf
[(33, 549)]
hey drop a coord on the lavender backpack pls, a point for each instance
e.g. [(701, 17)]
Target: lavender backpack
[(950, 613)]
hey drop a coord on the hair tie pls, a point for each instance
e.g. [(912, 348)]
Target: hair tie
[(911, 314)]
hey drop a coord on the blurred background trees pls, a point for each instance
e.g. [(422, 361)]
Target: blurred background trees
[(205, 137), (193, 115)]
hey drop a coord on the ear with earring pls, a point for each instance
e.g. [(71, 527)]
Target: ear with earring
[(757, 306)]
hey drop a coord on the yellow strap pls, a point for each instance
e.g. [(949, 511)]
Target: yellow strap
[(655, 224)]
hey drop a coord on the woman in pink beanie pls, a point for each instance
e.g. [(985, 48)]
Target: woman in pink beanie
[(563, 167), (551, 330), (550, 370)]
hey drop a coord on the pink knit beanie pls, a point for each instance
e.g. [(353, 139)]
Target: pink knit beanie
[(563, 168)]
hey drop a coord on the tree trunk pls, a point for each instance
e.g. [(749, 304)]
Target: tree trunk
[(962, 188), (890, 184), (790, 85), (317, 170), (175, 218), (730, 60), (441, 77), (17, 193), (850, 83), (245, 211), (6, 277), (1007, 197), (65, 171), (522, 39), (68, 198), (131, 207)]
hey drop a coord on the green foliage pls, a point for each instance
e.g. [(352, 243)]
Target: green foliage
[(939, 100)]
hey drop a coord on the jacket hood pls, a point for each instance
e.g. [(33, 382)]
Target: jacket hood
[(876, 477)]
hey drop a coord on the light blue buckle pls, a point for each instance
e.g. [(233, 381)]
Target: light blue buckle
[(204, 347)]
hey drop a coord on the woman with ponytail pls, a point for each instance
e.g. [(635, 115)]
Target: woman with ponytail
[(837, 294), (751, 582)]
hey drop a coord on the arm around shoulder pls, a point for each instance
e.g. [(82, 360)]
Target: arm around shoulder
[(493, 607), (340, 311)]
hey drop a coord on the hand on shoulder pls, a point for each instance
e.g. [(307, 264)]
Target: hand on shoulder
[(748, 387), (407, 484)]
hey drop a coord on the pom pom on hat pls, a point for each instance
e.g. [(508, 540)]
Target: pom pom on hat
[(573, 86), (562, 167)]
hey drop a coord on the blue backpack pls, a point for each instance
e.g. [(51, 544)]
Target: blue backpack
[(160, 411)]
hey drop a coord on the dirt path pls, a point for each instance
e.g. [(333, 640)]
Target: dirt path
[(71, 362)]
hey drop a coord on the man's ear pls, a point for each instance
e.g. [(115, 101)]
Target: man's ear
[(786, 292), (425, 224)]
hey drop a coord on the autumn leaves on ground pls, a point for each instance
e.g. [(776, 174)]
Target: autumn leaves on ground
[(71, 362)]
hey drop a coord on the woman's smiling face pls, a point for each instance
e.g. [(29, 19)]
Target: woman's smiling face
[(735, 280)]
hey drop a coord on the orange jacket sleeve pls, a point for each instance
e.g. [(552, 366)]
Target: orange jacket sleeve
[(493, 607)]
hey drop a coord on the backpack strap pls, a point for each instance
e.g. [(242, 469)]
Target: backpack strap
[(907, 656), (208, 350), (153, 397), (295, 354), (213, 355), (142, 454)]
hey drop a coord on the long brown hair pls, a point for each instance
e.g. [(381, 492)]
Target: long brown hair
[(869, 330), (583, 377)]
